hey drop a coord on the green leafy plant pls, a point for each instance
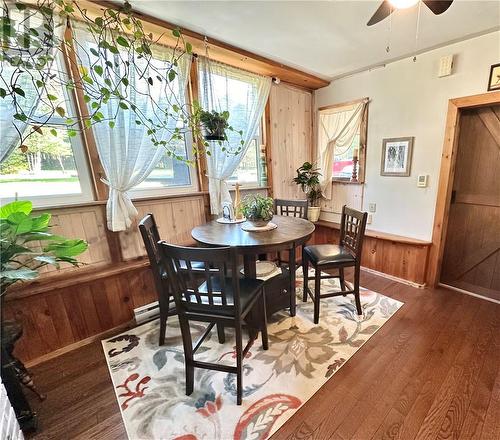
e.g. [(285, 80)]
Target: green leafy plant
[(214, 124), (121, 49), (308, 180), (18, 228), (257, 208)]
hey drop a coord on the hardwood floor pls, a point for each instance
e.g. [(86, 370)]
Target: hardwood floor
[(433, 371)]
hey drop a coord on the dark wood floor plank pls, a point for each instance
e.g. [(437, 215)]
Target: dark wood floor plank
[(433, 368)]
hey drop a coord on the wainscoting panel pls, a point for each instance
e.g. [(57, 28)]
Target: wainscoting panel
[(400, 257)]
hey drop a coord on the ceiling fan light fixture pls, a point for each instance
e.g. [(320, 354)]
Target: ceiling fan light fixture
[(403, 4)]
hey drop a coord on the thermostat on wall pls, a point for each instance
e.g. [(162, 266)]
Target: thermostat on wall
[(422, 180)]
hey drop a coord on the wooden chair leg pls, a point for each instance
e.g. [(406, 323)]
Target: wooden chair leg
[(263, 328), (293, 293), (239, 364), (317, 293), (342, 279), (356, 290), (164, 308), (221, 334), (305, 276), (188, 354)]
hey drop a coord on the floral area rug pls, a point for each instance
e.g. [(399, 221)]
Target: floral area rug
[(149, 379)]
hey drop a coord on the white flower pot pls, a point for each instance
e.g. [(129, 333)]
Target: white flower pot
[(313, 213)]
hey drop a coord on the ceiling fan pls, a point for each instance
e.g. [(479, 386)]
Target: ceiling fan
[(389, 6)]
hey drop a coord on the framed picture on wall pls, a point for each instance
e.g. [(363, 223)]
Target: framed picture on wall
[(396, 156), (494, 81)]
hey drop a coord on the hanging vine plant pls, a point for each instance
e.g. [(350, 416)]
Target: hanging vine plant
[(100, 67)]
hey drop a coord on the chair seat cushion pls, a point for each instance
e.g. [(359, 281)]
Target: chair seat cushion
[(320, 254), (249, 288)]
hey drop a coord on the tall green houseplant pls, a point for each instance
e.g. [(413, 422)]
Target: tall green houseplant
[(308, 180)]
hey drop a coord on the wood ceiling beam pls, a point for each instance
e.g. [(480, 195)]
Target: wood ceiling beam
[(227, 53)]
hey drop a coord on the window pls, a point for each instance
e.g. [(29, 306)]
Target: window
[(249, 171), (347, 123), (53, 169)]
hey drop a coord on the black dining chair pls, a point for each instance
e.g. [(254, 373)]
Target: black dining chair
[(150, 236), (217, 300), (330, 256), (291, 208)]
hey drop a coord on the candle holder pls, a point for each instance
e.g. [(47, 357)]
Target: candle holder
[(354, 176)]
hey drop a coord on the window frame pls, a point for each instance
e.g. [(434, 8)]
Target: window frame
[(79, 155), (159, 191)]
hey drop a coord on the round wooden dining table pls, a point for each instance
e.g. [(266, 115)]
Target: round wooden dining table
[(290, 233)]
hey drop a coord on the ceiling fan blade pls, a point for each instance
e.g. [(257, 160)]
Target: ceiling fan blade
[(438, 6), (383, 11)]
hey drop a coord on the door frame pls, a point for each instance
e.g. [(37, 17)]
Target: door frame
[(447, 175)]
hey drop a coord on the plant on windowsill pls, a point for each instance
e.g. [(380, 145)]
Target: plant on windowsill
[(257, 209), (102, 72), (308, 180), (21, 262)]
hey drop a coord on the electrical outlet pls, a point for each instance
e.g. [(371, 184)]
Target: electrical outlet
[(372, 207), (369, 219)]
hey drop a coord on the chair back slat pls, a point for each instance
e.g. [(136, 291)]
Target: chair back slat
[(202, 287), (352, 229), (291, 208)]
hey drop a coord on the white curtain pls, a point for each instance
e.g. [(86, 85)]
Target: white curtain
[(10, 128), (336, 131), (244, 95), (126, 151)]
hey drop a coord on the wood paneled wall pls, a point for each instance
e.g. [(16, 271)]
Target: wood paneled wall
[(290, 114), (399, 257), (64, 307)]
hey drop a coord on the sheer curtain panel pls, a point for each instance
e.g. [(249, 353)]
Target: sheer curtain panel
[(336, 131), (11, 128), (125, 148), (244, 95)]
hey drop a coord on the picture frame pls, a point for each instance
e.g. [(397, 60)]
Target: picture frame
[(494, 79), (396, 156)]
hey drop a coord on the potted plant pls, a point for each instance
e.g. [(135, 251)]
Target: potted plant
[(308, 179), (19, 261), (214, 125), (257, 209)]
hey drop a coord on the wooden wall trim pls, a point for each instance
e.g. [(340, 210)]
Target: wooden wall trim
[(446, 176), (379, 235), (229, 54)]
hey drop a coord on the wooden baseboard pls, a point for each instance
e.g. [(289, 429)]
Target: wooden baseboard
[(393, 278), (103, 335)]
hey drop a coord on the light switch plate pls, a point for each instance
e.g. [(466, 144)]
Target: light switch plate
[(372, 207), (369, 219)]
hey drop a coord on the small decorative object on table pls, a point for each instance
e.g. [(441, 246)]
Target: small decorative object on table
[(258, 210), (308, 179), (228, 214)]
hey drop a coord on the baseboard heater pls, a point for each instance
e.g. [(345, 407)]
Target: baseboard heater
[(147, 313)]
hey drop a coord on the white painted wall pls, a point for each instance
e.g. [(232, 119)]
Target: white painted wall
[(408, 99)]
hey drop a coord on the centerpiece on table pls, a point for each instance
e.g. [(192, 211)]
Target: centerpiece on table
[(258, 210), (308, 179)]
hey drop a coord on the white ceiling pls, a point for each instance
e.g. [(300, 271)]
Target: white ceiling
[(326, 38)]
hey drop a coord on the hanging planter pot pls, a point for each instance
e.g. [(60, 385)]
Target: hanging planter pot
[(214, 125)]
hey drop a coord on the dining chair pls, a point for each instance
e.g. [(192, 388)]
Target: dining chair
[(219, 299), (150, 236), (166, 304), (291, 208), (330, 256)]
